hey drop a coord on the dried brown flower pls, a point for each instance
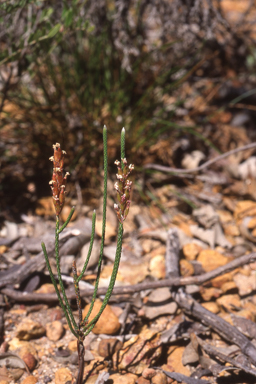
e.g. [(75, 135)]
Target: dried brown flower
[(58, 182), (123, 188)]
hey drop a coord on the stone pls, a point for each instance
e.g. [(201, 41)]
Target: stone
[(63, 375), (107, 347), (191, 251), (54, 330), (210, 293), (65, 213), (159, 378), (245, 284), (94, 258), (56, 314), (211, 306), (30, 380), (108, 322), (128, 378), (211, 259), (15, 343), (149, 373), (29, 329), (229, 302), (142, 380), (110, 230), (46, 288), (30, 360), (186, 268), (157, 267), (174, 360), (139, 352), (72, 345), (228, 286), (27, 348)]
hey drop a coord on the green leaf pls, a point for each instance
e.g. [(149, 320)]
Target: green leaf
[(54, 30)]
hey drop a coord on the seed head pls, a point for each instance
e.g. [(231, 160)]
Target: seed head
[(123, 188), (58, 181)]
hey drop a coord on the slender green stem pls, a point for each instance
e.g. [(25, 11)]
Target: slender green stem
[(90, 247), (59, 273), (105, 165), (77, 291), (87, 329), (122, 146), (67, 221), (57, 290)]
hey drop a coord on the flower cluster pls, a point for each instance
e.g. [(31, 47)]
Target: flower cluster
[(58, 182), (123, 188)]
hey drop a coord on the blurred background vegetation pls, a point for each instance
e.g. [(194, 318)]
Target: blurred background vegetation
[(69, 67)]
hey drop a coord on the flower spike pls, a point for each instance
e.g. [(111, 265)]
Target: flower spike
[(58, 181), (123, 187)]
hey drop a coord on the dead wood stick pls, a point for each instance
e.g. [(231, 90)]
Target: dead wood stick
[(33, 265), (222, 327), (163, 168), (215, 352), (130, 289)]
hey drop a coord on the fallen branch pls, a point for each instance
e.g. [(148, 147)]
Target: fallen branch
[(212, 351), (222, 327), (130, 289), (163, 168)]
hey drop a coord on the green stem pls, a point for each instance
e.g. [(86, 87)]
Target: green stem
[(87, 329), (57, 290), (90, 248), (105, 165), (59, 272), (67, 221), (122, 147)]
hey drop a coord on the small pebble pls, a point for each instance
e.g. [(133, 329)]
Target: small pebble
[(54, 330)]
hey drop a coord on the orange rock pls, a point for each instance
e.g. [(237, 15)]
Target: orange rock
[(30, 380), (211, 306), (63, 375), (159, 378), (128, 378), (228, 286), (157, 266), (218, 282), (138, 352), (231, 230), (72, 345), (148, 373), (225, 216), (246, 313), (54, 330), (141, 380), (65, 213), (209, 293), (186, 268), (174, 361), (230, 302), (244, 208), (29, 329), (191, 251), (46, 288), (107, 347), (251, 307), (108, 322), (211, 259)]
